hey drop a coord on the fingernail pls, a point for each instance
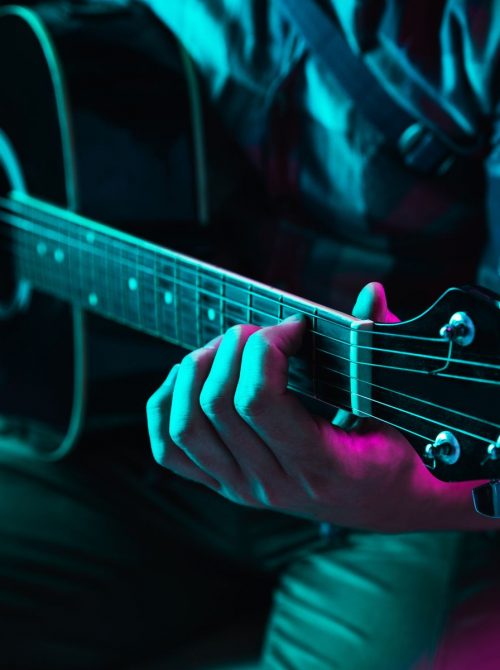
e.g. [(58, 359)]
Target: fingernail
[(294, 318)]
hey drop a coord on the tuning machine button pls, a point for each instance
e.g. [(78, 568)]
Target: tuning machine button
[(445, 449), (492, 452), (460, 329)]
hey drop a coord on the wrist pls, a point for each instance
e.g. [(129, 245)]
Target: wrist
[(449, 506)]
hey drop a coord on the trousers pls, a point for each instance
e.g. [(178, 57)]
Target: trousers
[(108, 561)]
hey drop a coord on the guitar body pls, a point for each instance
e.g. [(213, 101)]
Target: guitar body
[(36, 356), (89, 150), (92, 122)]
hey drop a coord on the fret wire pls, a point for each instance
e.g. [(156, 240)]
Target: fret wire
[(314, 362), (51, 256), (112, 297), (94, 290), (198, 308), (222, 306), (121, 297), (19, 236), (75, 268), (155, 292), (44, 270), (139, 288), (176, 299), (61, 255), (249, 303)]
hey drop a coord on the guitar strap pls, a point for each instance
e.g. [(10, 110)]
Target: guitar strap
[(422, 147)]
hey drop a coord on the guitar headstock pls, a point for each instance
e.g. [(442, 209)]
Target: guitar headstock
[(437, 377)]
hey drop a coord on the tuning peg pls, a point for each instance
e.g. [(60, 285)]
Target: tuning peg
[(492, 452), (460, 329), (487, 499), (445, 449)]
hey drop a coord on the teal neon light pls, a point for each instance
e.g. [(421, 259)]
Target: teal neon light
[(11, 165), (58, 83)]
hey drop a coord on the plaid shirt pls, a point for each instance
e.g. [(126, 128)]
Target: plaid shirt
[(354, 212)]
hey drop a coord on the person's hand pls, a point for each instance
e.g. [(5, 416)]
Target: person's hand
[(225, 418)]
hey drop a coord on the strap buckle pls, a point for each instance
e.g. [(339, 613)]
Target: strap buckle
[(423, 151)]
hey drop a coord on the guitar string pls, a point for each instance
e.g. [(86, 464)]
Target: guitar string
[(399, 409), (367, 415), (393, 391), (222, 299), (410, 413), (90, 248), (254, 310), (406, 395), (226, 300), (322, 380), (360, 395), (420, 356)]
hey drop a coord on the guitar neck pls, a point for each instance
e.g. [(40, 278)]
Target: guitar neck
[(172, 296)]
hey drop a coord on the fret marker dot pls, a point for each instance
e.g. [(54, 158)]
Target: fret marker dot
[(133, 284), (211, 314), (41, 248), (168, 297), (90, 238), (93, 299), (59, 255)]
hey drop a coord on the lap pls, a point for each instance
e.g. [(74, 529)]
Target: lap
[(378, 603), (105, 561), (470, 639), (99, 568)]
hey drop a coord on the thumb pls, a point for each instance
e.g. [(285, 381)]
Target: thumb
[(372, 304)]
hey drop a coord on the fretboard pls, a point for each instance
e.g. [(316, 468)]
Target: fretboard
[(170, 295)]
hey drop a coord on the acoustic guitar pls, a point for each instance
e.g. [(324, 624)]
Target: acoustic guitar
[(435, 377)]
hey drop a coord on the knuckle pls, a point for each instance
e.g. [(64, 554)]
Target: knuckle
[(250, 403), (259, 340), (236, 331), (213, 403), (190, 361), (182, 432), (240, 332)]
